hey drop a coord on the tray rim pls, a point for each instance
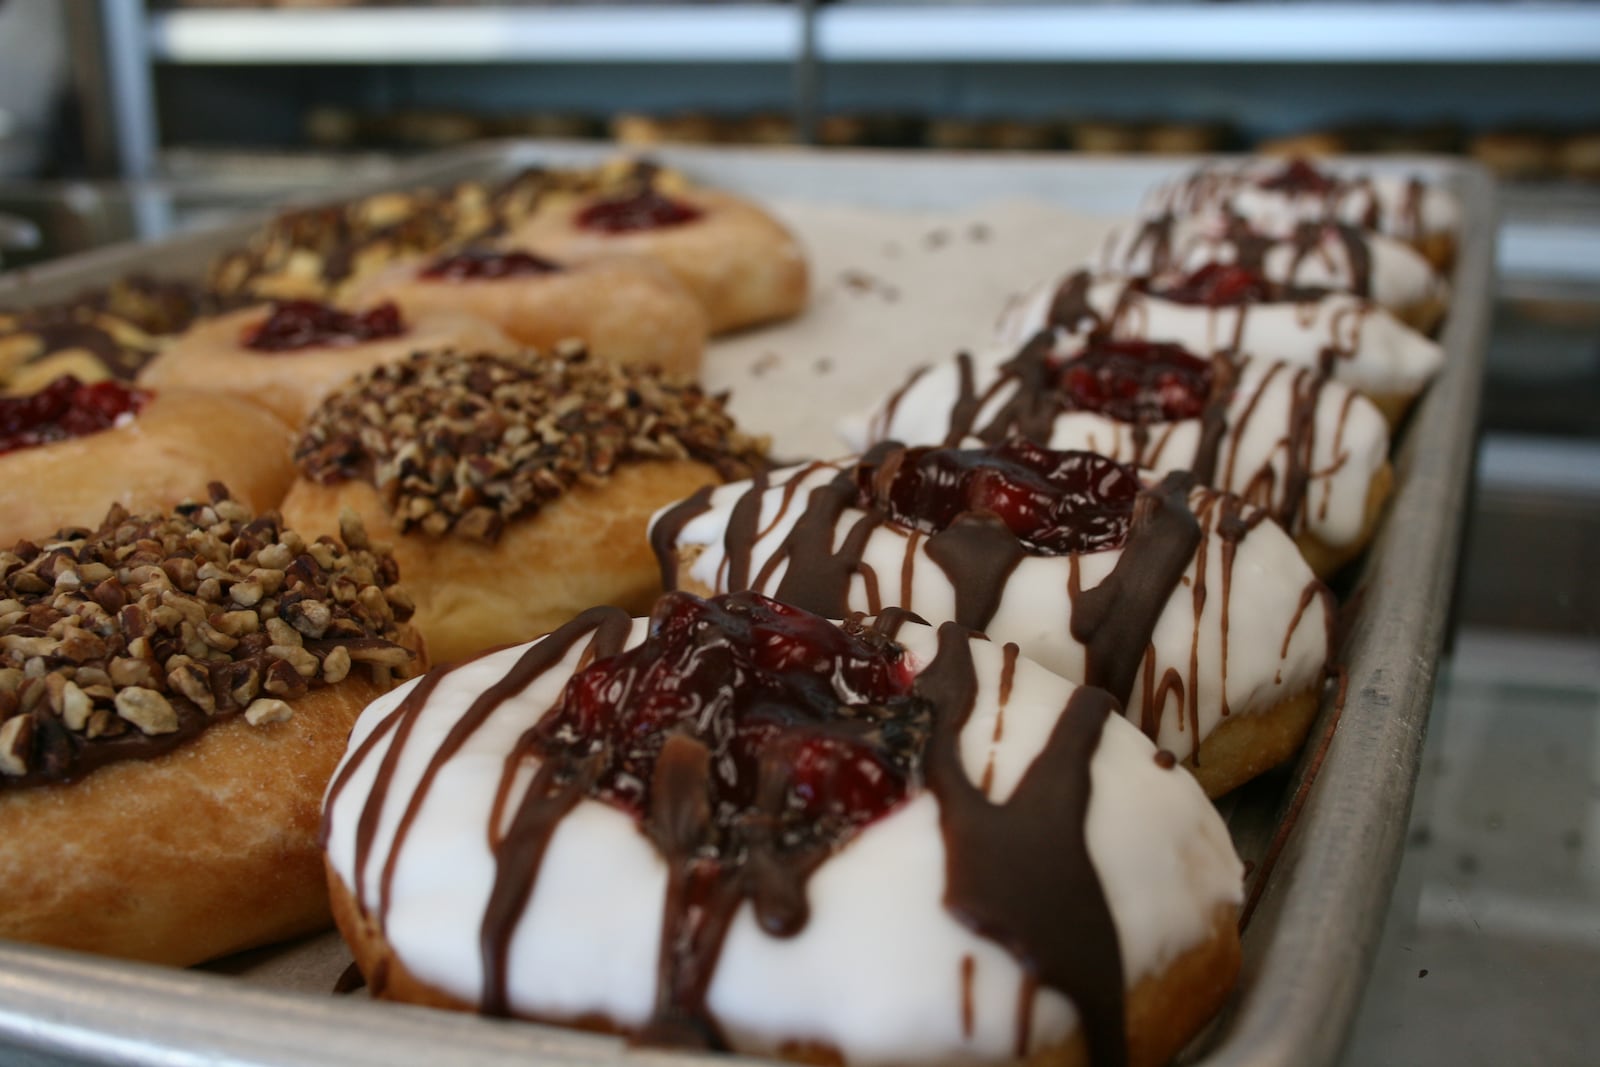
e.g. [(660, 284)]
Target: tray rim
[(1285, 1012)]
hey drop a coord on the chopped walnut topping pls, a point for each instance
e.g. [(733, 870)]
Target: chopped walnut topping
[(126, 640), (466, 444)]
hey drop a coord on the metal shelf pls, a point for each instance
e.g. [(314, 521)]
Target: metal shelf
[(510, 34)]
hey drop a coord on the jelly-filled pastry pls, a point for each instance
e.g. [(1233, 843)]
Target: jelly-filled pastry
[(175, 690), (737, 825), (742, 265), (1277, 194), (71, 450), (1309, 451), (1235, 310), (516, 490), (1185, 603), (1307, 259), (623, 310), (288, 355)]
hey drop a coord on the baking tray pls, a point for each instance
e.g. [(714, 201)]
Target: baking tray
[(1322, 841)]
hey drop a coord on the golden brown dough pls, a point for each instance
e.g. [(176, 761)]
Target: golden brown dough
[(623, 310), (213, 357), (180, 442)]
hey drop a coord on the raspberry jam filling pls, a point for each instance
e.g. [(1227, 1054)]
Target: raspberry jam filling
[(644, 210), (299, 324), (64, 409), (811, 729), (1220, 285), (486, 264), (1055, 503), (1136, 381), (1298, 176)]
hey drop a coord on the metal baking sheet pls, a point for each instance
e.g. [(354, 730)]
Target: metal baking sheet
[(1323, 840)]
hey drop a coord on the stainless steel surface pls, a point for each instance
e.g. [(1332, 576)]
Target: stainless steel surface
[(112, 77), (1310, 941)]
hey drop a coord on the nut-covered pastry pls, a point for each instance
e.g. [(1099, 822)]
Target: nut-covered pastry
[(515, 489), (70, 450), (623, 310), (1184, 603), (736, 825), (1311, 258), (1238, 311), (288, 355), (175, 690), (1278, 194), (742, 265), (1309, 451)]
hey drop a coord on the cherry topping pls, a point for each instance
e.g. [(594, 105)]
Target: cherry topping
[(1136, 381), (1219, 285), (1298, 176), (297, 324), (806, 722), (1054, 502), (64, 409), (485, 263), (644, 210)]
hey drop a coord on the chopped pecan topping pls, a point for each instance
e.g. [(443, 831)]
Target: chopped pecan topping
[(126, 640), (466, 444)]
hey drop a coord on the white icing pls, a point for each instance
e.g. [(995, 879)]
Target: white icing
[(876, 971), (1380, 202), (1399, 276), (1377, 353), (1266, 585), (1349, 437)]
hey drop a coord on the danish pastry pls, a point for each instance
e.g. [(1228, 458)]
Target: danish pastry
[(515, 489), (739, 826), (175, 690), (1198, 615)]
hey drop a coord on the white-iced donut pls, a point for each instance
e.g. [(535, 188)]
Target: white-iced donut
[(1202, 616), (474, 867), (1355, 340)]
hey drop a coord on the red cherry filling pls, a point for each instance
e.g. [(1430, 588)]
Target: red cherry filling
[(1136, 381), (811, 728), (1055, 503), (486, 264), (298, 324), (644, 210), (1298, 176), (1219, 285), (64, 409)]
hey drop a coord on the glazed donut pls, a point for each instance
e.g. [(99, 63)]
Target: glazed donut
[(1309, 451), (1312, 257), (738, 261), (1198, 615), (623, 310), (160, 776), (289, 355), (70, 450), (515, 489), (950, 854), (1277, 194), (1230, 309)]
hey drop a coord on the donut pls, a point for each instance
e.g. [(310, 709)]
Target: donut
[(1195, 612), (1309, 451), (515, 489), (623, 310), (950, 855), (175, 690), (288, 355), (1517, 154), (742, 265), (70, 450), (1280, 193), (1312, 257), (1235, 310)]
